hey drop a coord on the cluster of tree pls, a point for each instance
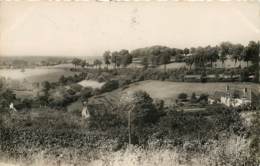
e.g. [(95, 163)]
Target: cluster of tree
[(137, 114), (83, 63), (118, 58), (200, 56), (193, 98), (156, 55)]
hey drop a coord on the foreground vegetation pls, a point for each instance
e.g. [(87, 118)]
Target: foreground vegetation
[(215, 136), (130, 126)]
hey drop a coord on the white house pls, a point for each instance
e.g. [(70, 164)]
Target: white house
[(230, 101), (227, 98)]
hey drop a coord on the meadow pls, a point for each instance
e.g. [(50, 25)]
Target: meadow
[(169, 91), (51, 74)]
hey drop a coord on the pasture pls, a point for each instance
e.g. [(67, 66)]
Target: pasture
[(167, 89), (51, 74)]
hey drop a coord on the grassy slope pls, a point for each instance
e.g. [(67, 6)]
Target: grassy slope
[(169, 91)]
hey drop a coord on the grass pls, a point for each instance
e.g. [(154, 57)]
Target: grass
[(50, 74), (169, 91)]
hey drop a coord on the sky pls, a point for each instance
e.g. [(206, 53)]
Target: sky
[(90, 28)]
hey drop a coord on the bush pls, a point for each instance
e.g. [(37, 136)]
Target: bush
[(86, 93), (193, 98), (27, 103), (182, 96), (110, 86), (76, 87), (203, 97)]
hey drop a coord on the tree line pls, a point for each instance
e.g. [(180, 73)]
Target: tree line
[(200, 56), (161, 55)]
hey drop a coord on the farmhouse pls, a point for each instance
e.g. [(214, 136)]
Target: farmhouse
[(232, 98)]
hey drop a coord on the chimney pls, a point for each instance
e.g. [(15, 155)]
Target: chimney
[(228, 94), (245, 92)]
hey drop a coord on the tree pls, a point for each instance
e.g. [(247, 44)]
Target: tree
[(193, 97), (186, 51), (200, 57), (145, 62), (76, 62), (182, 96), (115, 59), (179, 51), (225, 49), (212, 54), (246, 55), (254, 49), (125, 58), (165, 57), (189, 61), (192, 50), (110, 85), (223, 58), (142, 114), (46, 86), (62, 80), (155, 60), (107, 57), (98, 63), (83, 63), (9, 95), (236, 52)]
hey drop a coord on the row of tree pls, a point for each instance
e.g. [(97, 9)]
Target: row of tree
[(83, 63), (162, 55), (118, 58), (200, 56)]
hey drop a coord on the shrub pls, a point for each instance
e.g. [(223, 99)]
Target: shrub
[(182, 96), (27, 103), (110, 85), (203, 97), (101, 78), (193, 98), (76, 87), (86, 92)]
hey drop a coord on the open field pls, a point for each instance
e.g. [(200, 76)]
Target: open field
[(169, 91), (51, 74), (166, 89)]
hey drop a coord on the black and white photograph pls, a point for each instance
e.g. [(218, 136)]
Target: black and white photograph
[(129, 83)]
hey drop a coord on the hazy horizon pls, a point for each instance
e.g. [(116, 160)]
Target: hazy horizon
[(89, 28)]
